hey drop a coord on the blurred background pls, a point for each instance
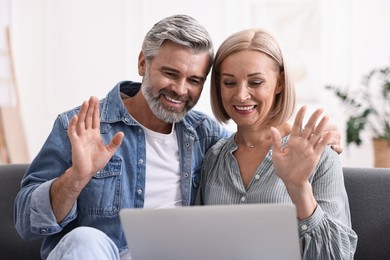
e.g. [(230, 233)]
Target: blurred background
[(61, 52)]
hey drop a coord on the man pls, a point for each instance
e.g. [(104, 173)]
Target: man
[(132, 149)]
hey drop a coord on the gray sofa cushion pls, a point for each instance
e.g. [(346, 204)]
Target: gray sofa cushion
[(369, 200), (11, 245)]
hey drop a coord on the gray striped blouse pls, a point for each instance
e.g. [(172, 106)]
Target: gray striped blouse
[(327, 234)]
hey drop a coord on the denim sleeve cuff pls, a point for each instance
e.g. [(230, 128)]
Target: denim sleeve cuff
[(42, 218), (307, 225)]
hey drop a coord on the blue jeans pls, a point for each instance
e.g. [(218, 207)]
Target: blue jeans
[(85, 243)]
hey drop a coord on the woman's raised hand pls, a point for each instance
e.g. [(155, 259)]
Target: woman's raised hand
[(295, 162)]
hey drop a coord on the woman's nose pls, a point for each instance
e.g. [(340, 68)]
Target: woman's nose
[(242, 93)]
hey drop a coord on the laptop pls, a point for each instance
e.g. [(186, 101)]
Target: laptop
[(226, 232)]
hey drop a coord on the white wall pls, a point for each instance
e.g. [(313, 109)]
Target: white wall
[(68, 50)]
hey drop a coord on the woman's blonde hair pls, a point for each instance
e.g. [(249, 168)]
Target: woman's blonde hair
[(262, 41)]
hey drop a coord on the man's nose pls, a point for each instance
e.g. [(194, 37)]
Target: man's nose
[(180, 87)]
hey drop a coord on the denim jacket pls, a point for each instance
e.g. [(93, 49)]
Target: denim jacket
[(120, 184)]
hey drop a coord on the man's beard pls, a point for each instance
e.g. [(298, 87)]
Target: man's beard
[(167, 114)]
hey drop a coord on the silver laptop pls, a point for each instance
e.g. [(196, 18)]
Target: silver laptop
[(236, 232)]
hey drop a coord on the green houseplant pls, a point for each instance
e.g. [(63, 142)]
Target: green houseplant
[(368, 109)]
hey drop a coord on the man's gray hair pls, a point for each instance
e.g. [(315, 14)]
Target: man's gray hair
[(180, 29)]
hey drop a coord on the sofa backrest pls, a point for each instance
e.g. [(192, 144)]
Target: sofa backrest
[(12, 246), (368, 192), (369, 200)]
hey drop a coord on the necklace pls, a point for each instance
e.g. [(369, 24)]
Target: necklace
[(252, 146), (247, 145)]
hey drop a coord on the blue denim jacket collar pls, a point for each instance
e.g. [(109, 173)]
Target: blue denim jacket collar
[(113, 113)]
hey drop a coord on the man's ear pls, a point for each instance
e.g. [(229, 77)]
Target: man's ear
[(141, 64)]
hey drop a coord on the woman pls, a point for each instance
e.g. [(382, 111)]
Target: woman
[(267, 160)]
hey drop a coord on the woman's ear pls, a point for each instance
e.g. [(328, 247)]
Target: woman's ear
[(141, 64)]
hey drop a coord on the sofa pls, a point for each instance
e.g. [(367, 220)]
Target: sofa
[(368, 191), (369, 201), (12, 246)]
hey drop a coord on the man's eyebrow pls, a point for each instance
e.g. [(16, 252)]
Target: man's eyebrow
[(165, 68)]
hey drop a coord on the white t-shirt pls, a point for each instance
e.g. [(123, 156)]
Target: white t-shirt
[(162, 181)]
